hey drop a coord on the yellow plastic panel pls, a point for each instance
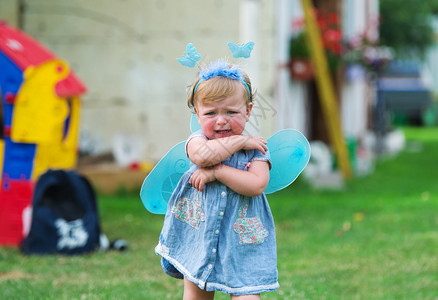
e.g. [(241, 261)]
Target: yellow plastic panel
[(39, 114), (61, 153)]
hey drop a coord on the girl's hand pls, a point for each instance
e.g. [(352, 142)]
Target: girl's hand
[(201, 177), (255, 142)]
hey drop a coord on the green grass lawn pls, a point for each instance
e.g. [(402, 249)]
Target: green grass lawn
[(376, 239)]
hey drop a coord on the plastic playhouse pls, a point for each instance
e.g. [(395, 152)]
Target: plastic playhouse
[(39, 124)]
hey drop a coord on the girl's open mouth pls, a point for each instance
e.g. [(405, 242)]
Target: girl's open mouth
[(223, 133)]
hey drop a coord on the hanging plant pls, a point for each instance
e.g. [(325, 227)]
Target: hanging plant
[(331, 35), (366, 51), (300, 65)]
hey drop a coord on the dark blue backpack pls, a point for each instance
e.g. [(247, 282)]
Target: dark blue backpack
[(65, 219)]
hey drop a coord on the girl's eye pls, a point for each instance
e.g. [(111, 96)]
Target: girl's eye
[(232, 112), (211, 113)]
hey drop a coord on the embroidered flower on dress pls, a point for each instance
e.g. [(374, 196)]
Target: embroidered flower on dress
[(250, 230), (189, 211)]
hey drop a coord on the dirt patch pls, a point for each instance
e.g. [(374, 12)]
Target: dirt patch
[(14, 275), (110, 178)]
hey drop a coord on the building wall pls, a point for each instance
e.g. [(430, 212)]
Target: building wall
[(125, 53), (9, 11), (290, 97)]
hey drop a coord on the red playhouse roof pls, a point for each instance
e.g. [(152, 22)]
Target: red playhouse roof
[(24, 51)]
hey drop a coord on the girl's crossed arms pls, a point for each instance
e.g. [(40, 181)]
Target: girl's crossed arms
[(208, 155)]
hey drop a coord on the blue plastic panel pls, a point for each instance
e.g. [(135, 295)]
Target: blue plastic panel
[(11, 78), (18, 160)]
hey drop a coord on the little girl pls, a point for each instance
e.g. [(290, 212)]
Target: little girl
[(218, 232)]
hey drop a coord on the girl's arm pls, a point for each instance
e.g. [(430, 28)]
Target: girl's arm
[(248, 183), (207, 153)]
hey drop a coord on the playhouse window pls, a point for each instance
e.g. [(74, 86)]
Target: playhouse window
[(68, 119)]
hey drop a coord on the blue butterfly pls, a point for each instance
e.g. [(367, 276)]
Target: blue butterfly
[(241, 51), (289, 150), (190, 57)]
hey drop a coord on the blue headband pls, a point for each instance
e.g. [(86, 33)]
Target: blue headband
[(224, 69)]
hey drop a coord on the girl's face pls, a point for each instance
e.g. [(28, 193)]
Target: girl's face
[(224, 118)]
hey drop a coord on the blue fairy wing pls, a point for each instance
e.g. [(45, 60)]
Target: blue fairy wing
[(159, 185), (194, 124), (290, 153)]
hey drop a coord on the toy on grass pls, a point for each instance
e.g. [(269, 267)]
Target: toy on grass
[(40, 104), (289, 151)]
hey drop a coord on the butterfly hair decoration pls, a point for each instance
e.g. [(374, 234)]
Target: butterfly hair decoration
[(190, 56), (241, 50), (289, 151)]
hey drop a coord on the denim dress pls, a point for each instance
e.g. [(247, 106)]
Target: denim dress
[(219, 239)]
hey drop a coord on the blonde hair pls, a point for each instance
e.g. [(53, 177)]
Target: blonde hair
[(218, 88)]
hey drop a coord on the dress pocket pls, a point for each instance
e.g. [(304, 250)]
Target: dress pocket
[(250, 230), (189, 210)]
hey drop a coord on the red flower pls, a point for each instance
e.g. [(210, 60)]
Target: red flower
[(332, 36), (336, 48), (322, 23), (333, 18), (298, 23)]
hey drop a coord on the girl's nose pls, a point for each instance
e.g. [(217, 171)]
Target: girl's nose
[(221, 120)]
